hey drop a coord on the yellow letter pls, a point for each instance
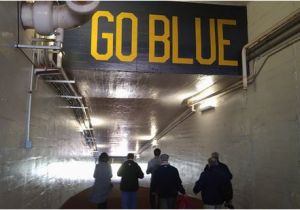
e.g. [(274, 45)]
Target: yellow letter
[(212, 31), (175, 58), (108, 36), (159, 38), (134, 22), (223, 42)]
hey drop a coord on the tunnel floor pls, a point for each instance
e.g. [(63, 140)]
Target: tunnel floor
[(80, 200)]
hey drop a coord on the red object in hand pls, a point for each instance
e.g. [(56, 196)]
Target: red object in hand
[(182, 202)]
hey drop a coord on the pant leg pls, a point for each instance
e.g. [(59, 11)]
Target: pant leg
[(217, 206), (172, 202), (153, 199), (124, 200), (163, 203), (206, 206), (102, 205), (132, 200)]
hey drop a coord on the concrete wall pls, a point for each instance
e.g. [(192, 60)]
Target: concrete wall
[(52, 171), (256, 132)]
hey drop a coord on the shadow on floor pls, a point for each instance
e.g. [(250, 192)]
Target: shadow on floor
[(80, 200)]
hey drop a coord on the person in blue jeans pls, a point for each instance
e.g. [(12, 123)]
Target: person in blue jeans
[(130, 172), (166, 183)]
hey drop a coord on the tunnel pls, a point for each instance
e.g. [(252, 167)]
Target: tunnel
[(188, 77)]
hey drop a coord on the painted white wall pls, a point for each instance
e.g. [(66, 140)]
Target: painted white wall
[(59, 165), (256, 131)]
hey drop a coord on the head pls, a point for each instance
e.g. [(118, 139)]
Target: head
[(212, 162), (103, 157), (164, 158), (157, 152), (130, 156), (215, 155)]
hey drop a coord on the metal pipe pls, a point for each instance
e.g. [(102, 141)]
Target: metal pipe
[(25, 46), (71, 97), (28, 142), (182, 117), (73, 107), (244, 67), (250, 79), (60, 81), (283, 29), (45, 17)]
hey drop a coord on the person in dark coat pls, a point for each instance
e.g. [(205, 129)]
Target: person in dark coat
[(226, 171), (102, 185), (166, 183), (213, 184), (153, 165), (130, 172), (222, 166)]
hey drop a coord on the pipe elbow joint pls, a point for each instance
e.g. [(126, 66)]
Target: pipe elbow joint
[(45, 17)]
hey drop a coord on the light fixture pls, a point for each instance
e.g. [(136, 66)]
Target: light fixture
[(154, 142), (206, 108), (102, 146)]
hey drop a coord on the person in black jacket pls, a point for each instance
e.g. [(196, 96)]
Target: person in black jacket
[(166, 183), (222, 166), (214, 185), (130, 172)]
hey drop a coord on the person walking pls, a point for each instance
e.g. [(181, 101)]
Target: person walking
[(153, 165), (214, 185), (222, 166), (130, 172), (102, 185), (166, 183)]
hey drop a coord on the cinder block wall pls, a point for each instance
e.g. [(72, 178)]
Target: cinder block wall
[(51, 172), (256, 131)]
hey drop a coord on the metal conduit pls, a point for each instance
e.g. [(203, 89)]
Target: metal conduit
[(280, 32), (251, 79), (178, 120)]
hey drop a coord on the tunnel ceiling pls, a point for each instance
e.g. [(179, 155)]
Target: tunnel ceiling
[(132, 107), (128, 109)]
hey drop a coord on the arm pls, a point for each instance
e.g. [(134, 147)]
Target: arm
[(140, 172), (95, 172), (120, 171), (110, 171), (149, 168), (198, 185), (228, 172), (179, 183)]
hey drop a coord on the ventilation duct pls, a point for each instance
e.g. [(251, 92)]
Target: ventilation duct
[(45, 17)]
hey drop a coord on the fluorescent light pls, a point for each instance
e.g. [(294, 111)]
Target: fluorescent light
[(206, 108), (96, 121), (154, 142), (204, 83), (102, 145)]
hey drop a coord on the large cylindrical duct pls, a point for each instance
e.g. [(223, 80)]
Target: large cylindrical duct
[(45, 17)]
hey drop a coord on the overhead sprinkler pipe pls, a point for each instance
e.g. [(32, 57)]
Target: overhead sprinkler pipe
[(45, 17)]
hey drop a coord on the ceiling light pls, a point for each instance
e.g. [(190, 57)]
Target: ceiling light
[(102, 146), (96, 121), (206, 108), (154, 142), (204, 83)]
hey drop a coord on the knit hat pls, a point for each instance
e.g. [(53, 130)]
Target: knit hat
[(164, 157)]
